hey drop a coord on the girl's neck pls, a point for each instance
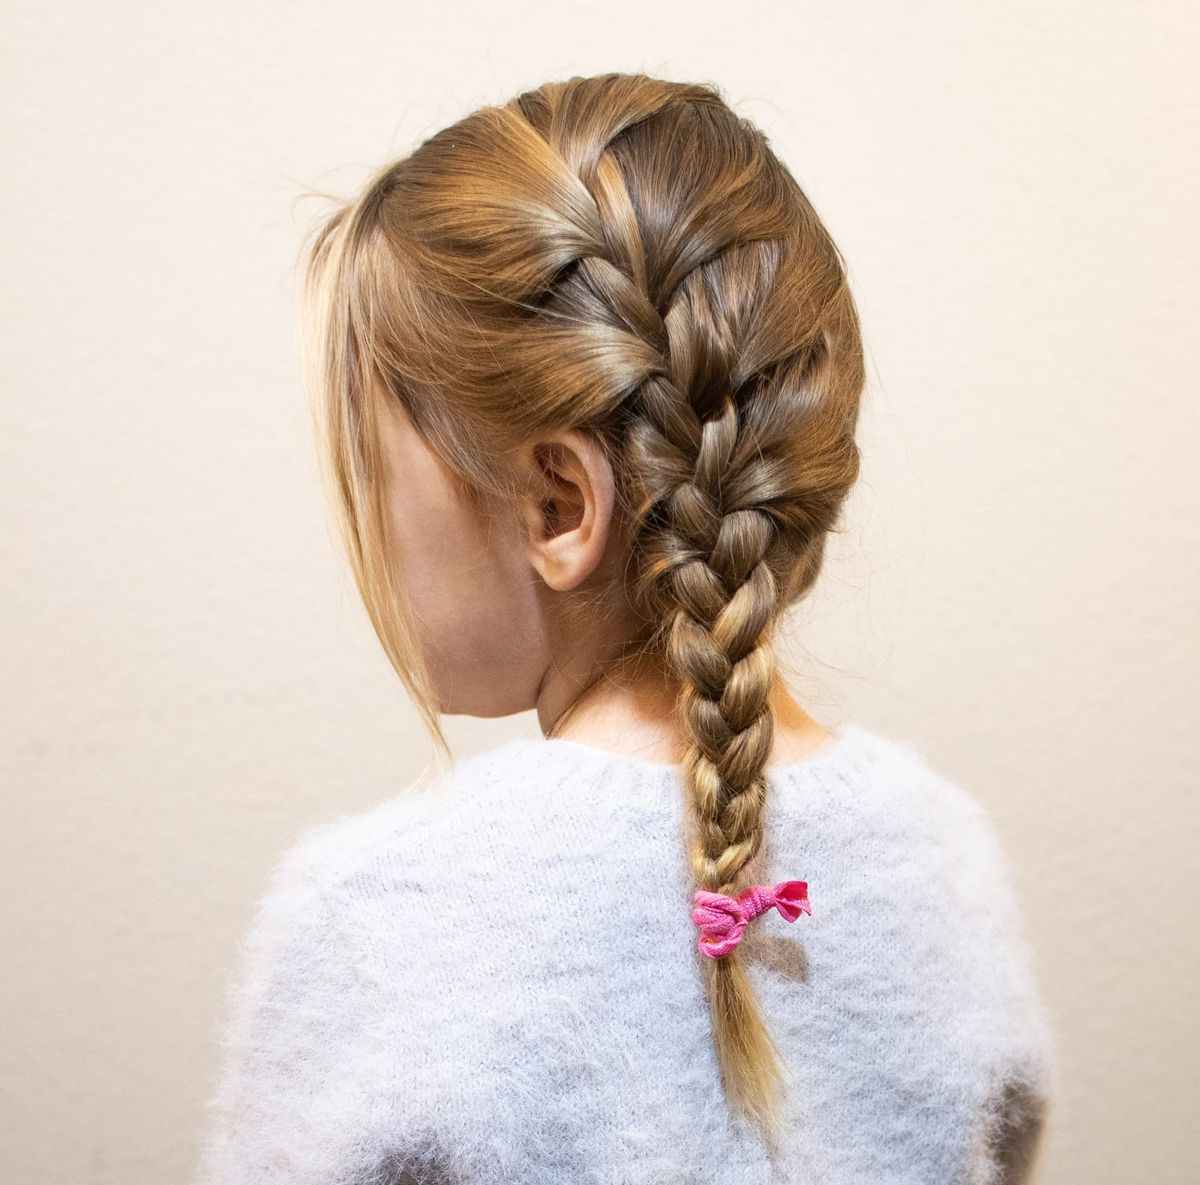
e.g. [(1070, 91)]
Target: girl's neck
[(636, 715)]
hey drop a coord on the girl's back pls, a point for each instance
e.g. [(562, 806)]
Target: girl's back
[(495, 979)]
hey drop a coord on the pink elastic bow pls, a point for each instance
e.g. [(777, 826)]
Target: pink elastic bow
[(722, 919)]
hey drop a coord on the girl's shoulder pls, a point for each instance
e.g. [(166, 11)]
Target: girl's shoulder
[(900, 798), (900, 780), (410, 822)]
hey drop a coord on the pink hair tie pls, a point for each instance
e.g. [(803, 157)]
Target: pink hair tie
[(723, 919)]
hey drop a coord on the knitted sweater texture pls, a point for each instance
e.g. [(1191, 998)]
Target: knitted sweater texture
[(493, 978)]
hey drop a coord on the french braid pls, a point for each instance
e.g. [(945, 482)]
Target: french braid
[(627, 255), (706, 538)]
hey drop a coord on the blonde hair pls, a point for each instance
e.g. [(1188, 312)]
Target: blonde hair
[(625, 256)]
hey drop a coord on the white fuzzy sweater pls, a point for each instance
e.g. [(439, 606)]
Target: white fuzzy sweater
[(428, 991)]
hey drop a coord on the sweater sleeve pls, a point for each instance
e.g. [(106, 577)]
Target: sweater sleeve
[(287, 1106), (1014, 1027)]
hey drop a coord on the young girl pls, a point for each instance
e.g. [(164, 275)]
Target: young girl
[(589, 374)]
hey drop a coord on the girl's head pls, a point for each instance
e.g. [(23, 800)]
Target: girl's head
[(588, 373)]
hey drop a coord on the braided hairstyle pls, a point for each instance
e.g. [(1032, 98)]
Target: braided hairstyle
[(627, 256)]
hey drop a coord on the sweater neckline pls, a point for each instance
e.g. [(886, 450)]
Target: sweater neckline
[(845, 740)]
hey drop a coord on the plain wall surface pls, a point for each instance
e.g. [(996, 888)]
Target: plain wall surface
[(190, 681)]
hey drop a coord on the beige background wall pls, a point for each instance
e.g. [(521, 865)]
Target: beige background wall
[(189, 681)]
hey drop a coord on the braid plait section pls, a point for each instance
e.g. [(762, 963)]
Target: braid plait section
[(711, 548), (703, 547), (705, 573), (706, 570)]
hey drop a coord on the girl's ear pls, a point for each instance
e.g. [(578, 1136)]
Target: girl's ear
[(568, 508)]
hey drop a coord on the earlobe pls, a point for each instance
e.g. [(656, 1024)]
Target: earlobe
[(568, 511)]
